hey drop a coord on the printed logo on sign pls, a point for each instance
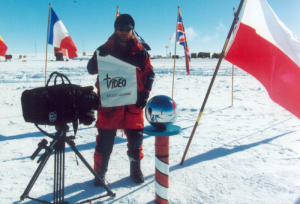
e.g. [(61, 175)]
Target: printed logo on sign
[(115, 82), (52, 117)]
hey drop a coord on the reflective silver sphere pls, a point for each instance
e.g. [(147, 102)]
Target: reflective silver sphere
[(161, 111)]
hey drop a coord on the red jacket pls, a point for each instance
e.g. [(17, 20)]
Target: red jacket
[(129, 116)]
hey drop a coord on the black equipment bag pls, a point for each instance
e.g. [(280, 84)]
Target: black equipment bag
[(59, 104)]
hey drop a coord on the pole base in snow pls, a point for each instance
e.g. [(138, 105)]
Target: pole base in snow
[(162, 144)]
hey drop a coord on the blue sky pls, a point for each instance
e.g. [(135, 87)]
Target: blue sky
[(23, 23)]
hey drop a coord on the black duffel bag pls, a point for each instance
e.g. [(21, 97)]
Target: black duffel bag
[(60, 103)]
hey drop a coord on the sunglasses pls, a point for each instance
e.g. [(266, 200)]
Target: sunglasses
[(121, 29)]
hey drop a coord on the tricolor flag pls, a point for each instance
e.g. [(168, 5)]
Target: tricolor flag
[(181, 39), (136, 35), (3, 47), (265, 48), (59, 36)]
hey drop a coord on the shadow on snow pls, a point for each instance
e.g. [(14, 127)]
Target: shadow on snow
[(87, 190)]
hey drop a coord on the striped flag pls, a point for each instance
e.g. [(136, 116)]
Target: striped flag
[(181, 39), (59, 36), (265, 48)]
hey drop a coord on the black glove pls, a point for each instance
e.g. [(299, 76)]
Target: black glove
[(142, 99), (87, 99), (103, 51), (87, 118), (87, 102)]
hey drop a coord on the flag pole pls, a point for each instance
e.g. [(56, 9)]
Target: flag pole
[(232, 85), (212, 81), (232, 70), (47, 44), (175, 53)]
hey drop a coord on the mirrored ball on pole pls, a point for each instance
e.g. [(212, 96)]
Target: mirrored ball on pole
[(161, 111)]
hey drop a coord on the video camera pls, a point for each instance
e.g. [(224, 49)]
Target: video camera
[(59, 104)]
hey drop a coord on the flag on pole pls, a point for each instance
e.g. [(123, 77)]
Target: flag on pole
[(136, 35), (59, 36), (3, 47), (265, 48), (141, 40), (181, 39)]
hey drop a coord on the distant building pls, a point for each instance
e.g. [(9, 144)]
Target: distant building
[(177, 56), (204, 55), (193, 55), (8, 57), (156, 57), (216, 55)]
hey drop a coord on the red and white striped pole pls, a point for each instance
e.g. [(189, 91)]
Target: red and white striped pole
[(162, 144), (161, 169)]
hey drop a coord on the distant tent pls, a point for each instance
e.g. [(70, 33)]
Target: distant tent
[(3, 47)]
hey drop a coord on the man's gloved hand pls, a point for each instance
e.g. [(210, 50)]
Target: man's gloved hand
[(142, 99), (87, 118), (103, 51)]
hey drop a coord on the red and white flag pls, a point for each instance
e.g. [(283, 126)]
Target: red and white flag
[(265, 48)]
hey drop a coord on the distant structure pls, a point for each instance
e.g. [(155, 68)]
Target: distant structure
[(177, 56), (193, 55), (216, 55), (156, 57), (204, 55), (8, 57), (59, 53)]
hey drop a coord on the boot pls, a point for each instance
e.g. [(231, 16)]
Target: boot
[(135, 172), (97, 182)]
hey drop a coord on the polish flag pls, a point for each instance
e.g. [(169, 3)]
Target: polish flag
[(265, 48), (3, 47), (59, 36)]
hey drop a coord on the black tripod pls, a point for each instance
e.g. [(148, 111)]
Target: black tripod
[(58, 144)]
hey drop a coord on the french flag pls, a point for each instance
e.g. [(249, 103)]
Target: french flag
[(59, 36), (265, 48)]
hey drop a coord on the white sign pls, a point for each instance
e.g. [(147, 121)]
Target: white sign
[(117, 80)]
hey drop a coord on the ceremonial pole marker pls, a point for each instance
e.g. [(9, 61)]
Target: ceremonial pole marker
[(162, 144)]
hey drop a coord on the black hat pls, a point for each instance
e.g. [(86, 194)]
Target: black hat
[(124, 20)]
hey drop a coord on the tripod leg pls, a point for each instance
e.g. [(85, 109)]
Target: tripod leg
[(59, 173), (36, 174), (71, 144)]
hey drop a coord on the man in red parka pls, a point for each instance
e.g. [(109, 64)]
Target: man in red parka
[(123, 45)]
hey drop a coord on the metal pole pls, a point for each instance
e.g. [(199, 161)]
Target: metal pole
[(175, 54), (212, 81), (47, 44)]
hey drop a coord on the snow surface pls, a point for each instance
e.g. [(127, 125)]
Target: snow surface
[(245, 153)]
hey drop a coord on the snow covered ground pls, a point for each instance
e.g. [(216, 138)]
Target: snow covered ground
[(245, 153)]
